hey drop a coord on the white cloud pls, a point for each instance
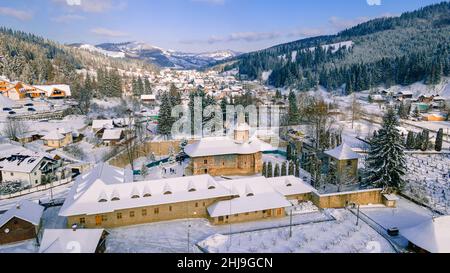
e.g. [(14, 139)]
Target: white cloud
[(109, 32), (374, 2), (340, 24), (93, 6), (16, 13), (68, 18)]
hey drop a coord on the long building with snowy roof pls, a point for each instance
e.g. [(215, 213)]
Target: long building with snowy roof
[(106, 197)]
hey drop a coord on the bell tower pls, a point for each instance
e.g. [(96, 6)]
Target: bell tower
[(242, 133)]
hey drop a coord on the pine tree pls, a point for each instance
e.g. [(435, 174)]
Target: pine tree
[(298, 168), (425, 140), (264, 169), (293, 114), (284, 169), (386, 163), (277, 170), (269, 169), (291, 168), (439, 140), (410, 141), (144, 170), (165, 119)]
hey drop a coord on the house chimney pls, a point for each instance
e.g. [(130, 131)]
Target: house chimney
[(17, 206)]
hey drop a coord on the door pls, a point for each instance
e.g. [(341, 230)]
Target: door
[(98, 220), (220, 219)]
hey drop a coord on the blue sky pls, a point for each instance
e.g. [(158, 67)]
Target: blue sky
[(194, 25)]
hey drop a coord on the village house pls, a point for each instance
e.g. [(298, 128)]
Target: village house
[(20, 223), (27, 169), (58, 138), (106, 197), (112, 137), (345, 161), (17, 91), (73, 240), (148, 99), (56, 91), (240, 155)]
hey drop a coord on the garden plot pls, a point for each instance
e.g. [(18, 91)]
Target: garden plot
[(428, 180), (340, 236)]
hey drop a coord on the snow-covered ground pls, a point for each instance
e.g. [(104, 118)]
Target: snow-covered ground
[(340, 236), (428, 180), (405, 215)]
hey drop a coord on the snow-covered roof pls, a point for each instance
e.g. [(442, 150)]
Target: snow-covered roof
[(6, 102), (112, 134), (100, 124), (290, 185), (148, 97), (22, 163), (391, 197), (49, 89), (225, 145), (432, 235), (25, 210), (343, 152), (255, 194), (70, 241), (57, 134), (89, 190)]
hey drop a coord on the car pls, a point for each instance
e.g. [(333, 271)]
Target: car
[(7, 109), (31, 110), (393, 231), (29, 105), (12, 113)]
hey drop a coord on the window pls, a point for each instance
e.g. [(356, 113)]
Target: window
[(135, 197), (349, 163), (236, 215), (156, 211), (12, 174), (192, 190), (205, 161), (104, 218), (167, 193), (119, 216), (131, 214), (206, 171), (115, 199), (82, 221), (211, 188), (102, 201), (170, 208), (204, 204), (196, 205), (147, 195), (144, 212)]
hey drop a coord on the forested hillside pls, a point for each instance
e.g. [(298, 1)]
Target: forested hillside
[(36, 60), (394, 50)]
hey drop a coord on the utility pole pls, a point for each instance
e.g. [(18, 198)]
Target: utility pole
[(290, 225)]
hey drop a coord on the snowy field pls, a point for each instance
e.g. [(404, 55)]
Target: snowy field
[(407, 214), (428, 180), (340, 236)]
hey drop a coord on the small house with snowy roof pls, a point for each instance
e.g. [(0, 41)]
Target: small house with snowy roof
[(345, 160)]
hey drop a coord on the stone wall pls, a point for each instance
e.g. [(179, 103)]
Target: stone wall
[(340, 200)]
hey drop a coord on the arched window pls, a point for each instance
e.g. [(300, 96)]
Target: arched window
[(147, 195), (135, 196), (250, 195), (115, 199), (102, 201), (192, 190), (211, 187), (167, 193)]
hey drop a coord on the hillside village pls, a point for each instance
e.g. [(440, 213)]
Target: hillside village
[(69, 163), (266, 160)]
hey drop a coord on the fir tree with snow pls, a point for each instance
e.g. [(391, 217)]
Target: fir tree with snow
[(277, 170), (386, 162), (284, 169), (165, 119), (294, 114), (269, 170), (264, 169)]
